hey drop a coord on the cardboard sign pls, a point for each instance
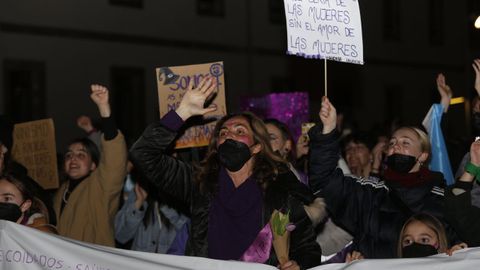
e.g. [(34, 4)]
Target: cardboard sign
[(330, 29), (172, 83), (34, 147)]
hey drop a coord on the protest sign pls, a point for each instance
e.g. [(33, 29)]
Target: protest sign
[(325, 29), (172, 83), (34, 148)]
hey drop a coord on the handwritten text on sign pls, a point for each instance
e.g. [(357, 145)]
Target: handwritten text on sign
[(174, 81), (329, 29), (34, 147)]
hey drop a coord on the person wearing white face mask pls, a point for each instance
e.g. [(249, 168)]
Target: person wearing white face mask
[(373, 210)]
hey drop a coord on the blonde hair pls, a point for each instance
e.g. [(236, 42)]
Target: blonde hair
[(423, 138)]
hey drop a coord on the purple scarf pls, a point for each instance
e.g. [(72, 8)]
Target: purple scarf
[(235, 218)]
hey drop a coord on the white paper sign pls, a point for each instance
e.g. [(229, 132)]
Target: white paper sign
[(329, 29)]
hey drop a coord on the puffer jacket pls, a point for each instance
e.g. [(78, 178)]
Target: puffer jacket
[(371, 209), (176, 178)]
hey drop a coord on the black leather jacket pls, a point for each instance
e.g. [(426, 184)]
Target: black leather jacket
[(176, 178)]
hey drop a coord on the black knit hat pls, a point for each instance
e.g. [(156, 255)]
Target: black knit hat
[(6, 130)]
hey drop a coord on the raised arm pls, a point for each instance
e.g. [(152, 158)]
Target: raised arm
[(459, 211), (348, 199), (476, 68), (129, 218), (194, 99), (169, 175), (445, 92), (324, 150), (113, 158)]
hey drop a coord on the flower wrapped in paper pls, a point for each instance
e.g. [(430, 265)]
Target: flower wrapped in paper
[(281, 228)]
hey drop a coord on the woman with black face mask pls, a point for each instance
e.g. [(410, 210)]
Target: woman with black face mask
[(234, 191), (374, 209), (19, 202)]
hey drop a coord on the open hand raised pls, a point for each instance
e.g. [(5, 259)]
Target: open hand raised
[(194, 99)]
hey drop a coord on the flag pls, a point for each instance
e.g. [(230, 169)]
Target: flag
[(439, 161)]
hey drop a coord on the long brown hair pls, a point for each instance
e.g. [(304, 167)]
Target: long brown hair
[(431, 222), (266, 166), (28, 189)]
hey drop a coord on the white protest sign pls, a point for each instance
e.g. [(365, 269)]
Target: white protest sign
[(24, 248), (330, 29)]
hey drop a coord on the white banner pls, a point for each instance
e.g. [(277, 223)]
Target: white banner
[(329, 29), (24, 248)]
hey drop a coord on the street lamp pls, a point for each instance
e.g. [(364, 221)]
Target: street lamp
[(477, 23)]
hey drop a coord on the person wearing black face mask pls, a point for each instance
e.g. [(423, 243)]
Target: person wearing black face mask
[(20, 202), (374, 208), (234, 190), (424, 235), (10, 211)]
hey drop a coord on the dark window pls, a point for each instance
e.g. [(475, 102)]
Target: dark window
[(391, 20), (393, 104), (128, 96), (277, 12), (436, 22), (24, 90), (215, 8), (474, 34), (127, 3), (280, 84)]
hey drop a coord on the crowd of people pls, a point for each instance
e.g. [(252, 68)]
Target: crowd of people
[(350, 196)]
